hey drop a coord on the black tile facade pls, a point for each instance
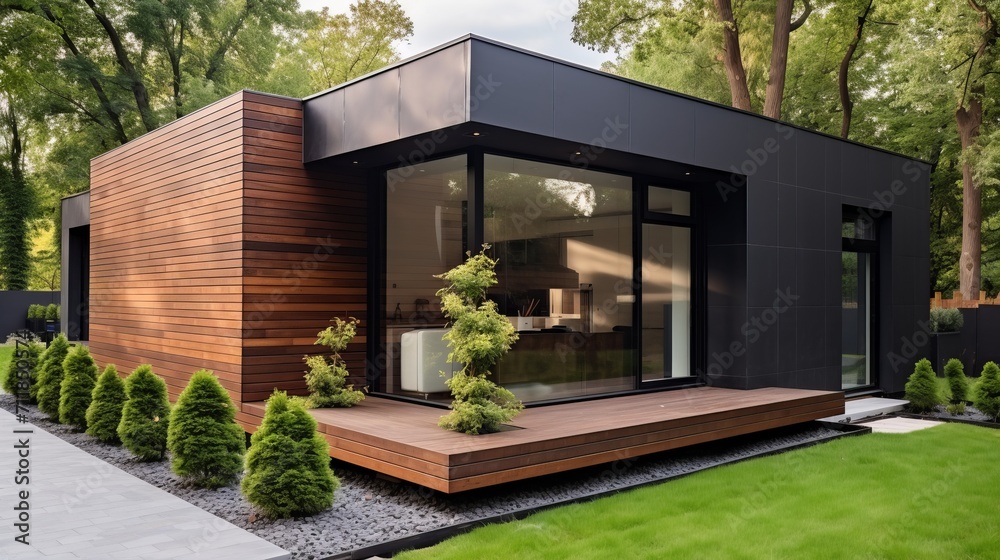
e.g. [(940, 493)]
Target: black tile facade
[(771, 224)]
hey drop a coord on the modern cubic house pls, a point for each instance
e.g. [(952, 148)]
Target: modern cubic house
[(657, 253)]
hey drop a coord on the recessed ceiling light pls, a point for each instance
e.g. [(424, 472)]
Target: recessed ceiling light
[(576, 153), (474, 134), (354, 162), (687, 172)]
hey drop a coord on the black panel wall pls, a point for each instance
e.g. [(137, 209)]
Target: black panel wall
[(773, 195)]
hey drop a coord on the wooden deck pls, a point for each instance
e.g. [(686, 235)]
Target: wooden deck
[(403, 440)]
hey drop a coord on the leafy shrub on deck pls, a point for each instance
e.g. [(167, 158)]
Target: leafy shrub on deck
[(327, 379), (479, 336)]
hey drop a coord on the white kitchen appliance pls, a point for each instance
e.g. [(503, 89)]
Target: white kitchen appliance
[(423, 356)]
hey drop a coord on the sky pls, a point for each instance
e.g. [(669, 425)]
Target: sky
[(542, 26)]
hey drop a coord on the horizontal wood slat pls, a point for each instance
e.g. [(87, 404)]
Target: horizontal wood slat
[(305, 251), (166, 249)]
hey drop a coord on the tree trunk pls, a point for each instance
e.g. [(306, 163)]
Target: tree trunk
[(219, 55), (731, 56), (102, 96), (845, 66), (121, 56), (174, 53), (779, 59), (16, 207), (969, 119)]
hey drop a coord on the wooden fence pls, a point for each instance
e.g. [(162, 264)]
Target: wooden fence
[(956, 301)]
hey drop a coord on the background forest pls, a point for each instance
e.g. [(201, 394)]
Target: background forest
[(79, 77)]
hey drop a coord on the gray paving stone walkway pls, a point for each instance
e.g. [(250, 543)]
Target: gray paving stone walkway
[(74, 506)]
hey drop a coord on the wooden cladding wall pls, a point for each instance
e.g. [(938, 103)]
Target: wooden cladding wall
[(166, 249), (212, 246), (305, 251)]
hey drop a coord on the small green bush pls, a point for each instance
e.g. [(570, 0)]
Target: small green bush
[(987, 393), (52, 312), (143, 429), (205, 442), (105, 410), (922, 388), (327, 379), (36, 311), (288, 464), (51, 375), (15, 384), (480, 406), (79, 378), (954, 372), (479, 336), (946, 320)]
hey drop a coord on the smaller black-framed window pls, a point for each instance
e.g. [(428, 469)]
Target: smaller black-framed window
[(859, 283), (664, 200), (858, 224)]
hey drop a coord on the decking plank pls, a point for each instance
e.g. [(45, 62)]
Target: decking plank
[(403, 440)]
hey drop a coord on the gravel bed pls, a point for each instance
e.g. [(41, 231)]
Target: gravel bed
[(971, 413), (369, 509)]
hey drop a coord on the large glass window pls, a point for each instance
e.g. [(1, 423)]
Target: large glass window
[(567, 270), (426, 217), (563, 237)]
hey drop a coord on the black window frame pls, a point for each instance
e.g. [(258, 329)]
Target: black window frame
[(475, 163)]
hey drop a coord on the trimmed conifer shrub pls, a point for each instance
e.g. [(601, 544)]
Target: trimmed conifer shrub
[(987, 393), (31, 354), (478, 338), (288, 466), (39, 368), (51, 375), (327, 379), (205, 442), (922, 389), (146, 414), (79, 378), (105, 410), (954, 372)]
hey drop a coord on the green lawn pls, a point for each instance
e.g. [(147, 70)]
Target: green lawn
[(6, 352), (930, 494)]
